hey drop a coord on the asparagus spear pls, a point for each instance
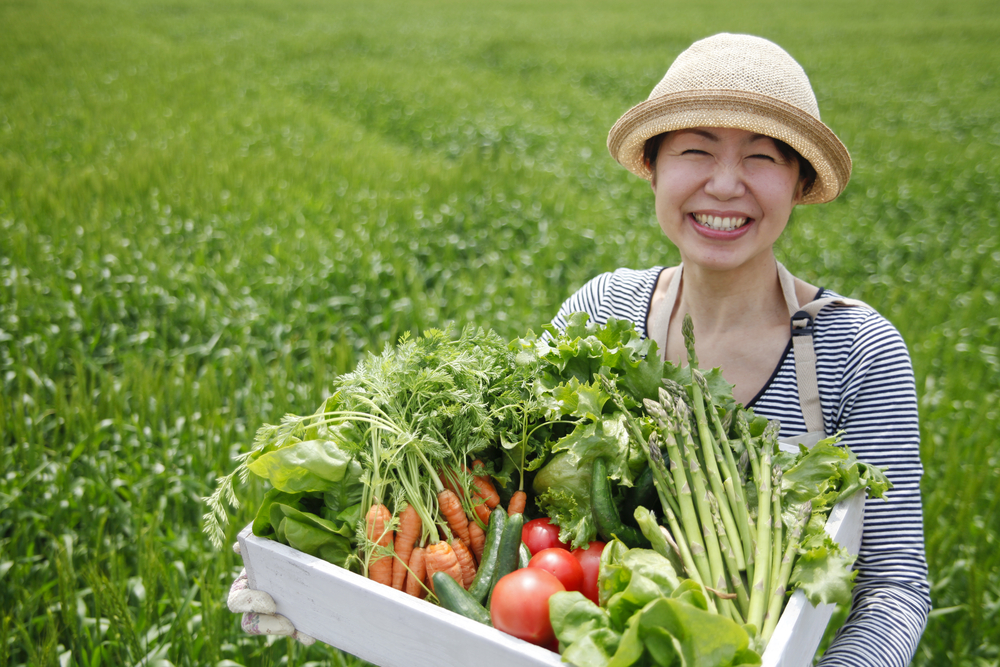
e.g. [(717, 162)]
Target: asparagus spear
[(778, 595), (776, 531), (733, 483), (712, 455), (762, 553), (670, 509), (729, 556), (700, 494), (689, 519)]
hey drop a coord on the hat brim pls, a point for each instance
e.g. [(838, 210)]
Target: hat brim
[(738, 109)]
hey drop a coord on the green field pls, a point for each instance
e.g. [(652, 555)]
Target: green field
[(208, 210)]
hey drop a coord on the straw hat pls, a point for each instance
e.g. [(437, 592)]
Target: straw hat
[(743, 82)]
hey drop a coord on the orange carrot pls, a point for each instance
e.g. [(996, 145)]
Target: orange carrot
[(418, 572), (478, 538), (482, 511), (377, 520), (451, 510), (441, 557), (517, 503), (406, 537), (484, 485), (465, 560)]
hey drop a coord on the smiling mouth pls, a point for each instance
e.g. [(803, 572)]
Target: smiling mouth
[(720, 224)]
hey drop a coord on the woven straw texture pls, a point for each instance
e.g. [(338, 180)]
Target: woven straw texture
[(737, 81)]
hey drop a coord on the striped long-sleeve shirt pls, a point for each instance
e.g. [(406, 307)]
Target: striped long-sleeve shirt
[(868, 391)]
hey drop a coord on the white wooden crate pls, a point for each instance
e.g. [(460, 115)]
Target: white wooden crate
[(389, 628)]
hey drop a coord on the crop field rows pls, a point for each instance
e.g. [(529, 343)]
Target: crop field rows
[(209, 210)]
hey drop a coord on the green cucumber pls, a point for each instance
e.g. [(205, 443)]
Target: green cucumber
[(643, 494), (453, 597), (480, 586), (524, 555), (606, 518), (509, 557)]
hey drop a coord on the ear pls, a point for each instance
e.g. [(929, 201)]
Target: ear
[(799, 193)]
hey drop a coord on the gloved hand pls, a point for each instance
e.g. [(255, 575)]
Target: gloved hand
[(258, 609)]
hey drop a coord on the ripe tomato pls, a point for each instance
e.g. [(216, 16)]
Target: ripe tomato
[(562, 564), (519, 604), (540, 534), (590, 562)]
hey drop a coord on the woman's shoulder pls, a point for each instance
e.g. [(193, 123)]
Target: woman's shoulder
[(623, 294), (842, 315), (855, 332)]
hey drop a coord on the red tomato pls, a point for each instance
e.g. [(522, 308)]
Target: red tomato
[(540, 534), (590, 562), (519, 604), (562, 564)]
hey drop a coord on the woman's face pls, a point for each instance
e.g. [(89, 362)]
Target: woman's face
[(723, 195)]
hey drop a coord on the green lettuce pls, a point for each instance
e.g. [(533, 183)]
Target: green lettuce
[(651, 618)]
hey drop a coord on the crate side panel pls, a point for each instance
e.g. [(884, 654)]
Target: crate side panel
[(372, 621)]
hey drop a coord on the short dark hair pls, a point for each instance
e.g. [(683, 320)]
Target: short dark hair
[(807, 173)]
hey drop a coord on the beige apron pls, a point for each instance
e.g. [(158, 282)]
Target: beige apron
[(802, 344)]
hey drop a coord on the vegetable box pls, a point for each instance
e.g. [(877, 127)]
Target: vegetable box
[(386, 627)]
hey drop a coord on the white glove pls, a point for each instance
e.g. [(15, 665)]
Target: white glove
[(258, 609)]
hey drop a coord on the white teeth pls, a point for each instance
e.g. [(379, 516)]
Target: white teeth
[(721, 224)]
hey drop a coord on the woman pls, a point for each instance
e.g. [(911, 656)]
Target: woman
[(731, 141)]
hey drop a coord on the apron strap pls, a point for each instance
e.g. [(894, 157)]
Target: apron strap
[(662, 321), (802, 343)]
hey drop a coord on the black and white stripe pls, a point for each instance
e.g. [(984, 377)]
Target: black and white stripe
[(867, 390)]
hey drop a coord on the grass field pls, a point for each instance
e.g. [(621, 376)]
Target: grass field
[(208, 210)]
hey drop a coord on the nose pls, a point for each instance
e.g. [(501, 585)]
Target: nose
[(725, 182)]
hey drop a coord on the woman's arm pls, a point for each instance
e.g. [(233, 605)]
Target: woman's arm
[(868, 391)]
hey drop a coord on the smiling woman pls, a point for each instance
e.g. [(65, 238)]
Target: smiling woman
[(731, 141)]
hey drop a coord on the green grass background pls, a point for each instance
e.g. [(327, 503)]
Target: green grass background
[(207, 210)]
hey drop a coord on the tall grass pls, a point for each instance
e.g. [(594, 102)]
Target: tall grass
[(207, 210)]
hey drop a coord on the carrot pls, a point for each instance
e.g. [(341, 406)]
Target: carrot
[(517, 503), (451, 510), (484, 485), (418, 572), (441, 557), (406, 537), (378, 517), (465, 560), (482, 511), (478, 538)]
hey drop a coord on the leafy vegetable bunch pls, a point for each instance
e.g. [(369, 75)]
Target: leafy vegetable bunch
[(647, 615), (743, 518), (396, 433), (589, 387)]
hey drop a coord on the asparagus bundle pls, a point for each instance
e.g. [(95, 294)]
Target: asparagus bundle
[(738, 511)]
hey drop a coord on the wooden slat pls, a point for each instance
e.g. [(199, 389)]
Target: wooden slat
[(375, 622)]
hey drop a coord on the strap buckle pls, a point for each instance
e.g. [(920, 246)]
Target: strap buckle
[(802, 324)]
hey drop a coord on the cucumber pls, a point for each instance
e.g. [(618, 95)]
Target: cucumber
[(524, 555), (643, 494), (480, 586), (454, 598), (509, 557), (606, 518)]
